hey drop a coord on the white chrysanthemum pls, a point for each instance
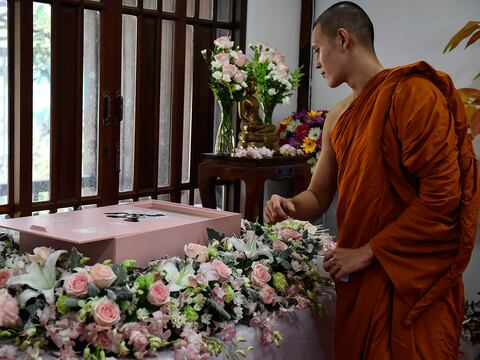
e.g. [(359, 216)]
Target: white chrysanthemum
[(217, 75), (237, 87), (286, 100), (272, 66), (314, 133), (293, 125), (272, 91), (226, 77), (244, 84)]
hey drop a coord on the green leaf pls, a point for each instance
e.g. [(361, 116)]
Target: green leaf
[(121, 273), (73, 260), (93, 290), (215, 234)]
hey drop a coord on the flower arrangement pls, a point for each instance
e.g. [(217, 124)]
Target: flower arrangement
[(254, 152), (275, 81), (228, 68), (301, 133), (51, 299), (471, 325)]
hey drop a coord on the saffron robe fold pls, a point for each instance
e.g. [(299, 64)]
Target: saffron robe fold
[(408, 185)]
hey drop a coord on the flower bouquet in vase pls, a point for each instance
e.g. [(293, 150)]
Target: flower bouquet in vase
[(228, 69), (301, 134), (275, 81)]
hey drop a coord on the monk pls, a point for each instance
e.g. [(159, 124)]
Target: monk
[(398, 152)]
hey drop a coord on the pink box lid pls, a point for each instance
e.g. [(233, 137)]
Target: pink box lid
[(93, 224)]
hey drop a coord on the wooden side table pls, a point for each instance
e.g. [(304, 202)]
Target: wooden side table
[(254, 172)]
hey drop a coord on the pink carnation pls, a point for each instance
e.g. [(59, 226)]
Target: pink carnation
[(8, 310), (240, 77), (5, 274)]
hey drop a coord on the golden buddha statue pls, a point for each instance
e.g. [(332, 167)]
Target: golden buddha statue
[(254, 131)]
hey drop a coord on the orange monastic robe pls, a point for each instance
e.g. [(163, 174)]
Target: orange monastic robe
[(408, 184)]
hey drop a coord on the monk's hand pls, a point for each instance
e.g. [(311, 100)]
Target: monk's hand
[(278, 209), (340, 261)]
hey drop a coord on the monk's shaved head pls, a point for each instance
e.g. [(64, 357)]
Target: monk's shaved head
[(349, 16)]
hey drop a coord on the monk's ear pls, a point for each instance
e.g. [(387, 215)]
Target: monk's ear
[(343, 37)]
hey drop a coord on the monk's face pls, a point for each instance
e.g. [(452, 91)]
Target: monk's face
[(329, 57)]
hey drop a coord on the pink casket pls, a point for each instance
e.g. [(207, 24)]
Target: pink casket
[(161, 228)]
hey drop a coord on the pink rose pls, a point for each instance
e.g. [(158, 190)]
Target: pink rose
[(8, 310), (5, 274), (282, 74), (241, 60), (102, 275), (282, 67), (76, 285), (40, 254), (198, 251), (240, 77), (158, 294), (222, 270), (267, 294), (229, 69), (260, 274), (106, 312), (223, 42), (266, 56), (290, 234), (222, 59), (279, 245), (278, 58)]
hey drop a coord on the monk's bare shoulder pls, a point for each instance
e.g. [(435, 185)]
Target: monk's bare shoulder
[(337, 111)]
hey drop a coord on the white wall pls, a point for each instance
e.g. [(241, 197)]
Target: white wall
[(411, 30), (407, 31), (276, 23)]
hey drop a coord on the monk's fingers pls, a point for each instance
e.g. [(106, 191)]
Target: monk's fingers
[(334, 270), (340, 274), (328, 255)]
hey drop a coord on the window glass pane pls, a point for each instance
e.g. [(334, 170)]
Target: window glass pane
[(191, 8), (89, 206), (67, 209), (3, 102), (150, 4), (224, 10), (164, 156), (41, 102), (168, 5), (220, 197), (42, 212), (125, 201), (185, 194), (91, 39), (129, 2), (187, 109), (143, 198), (197, 201), (205, 10), (127, 129), (164, 197)]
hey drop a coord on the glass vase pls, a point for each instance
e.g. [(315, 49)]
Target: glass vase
[(268, 112), (225, 141)]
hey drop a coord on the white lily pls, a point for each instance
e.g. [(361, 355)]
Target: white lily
[(249, 247), (41, 279), (177, 279)]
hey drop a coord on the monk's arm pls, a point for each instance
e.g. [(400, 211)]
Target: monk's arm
[(313, 202)]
